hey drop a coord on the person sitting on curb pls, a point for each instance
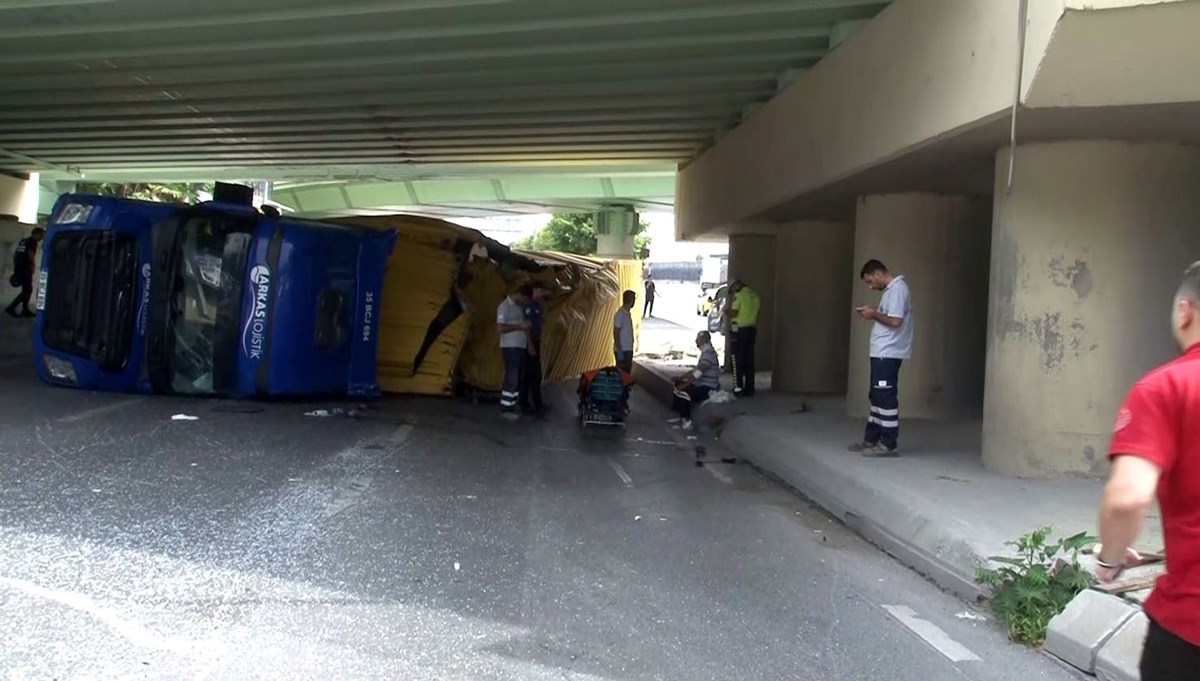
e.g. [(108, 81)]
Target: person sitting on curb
[(694, 387)]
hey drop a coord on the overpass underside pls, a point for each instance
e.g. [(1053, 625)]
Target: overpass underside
[(1042, 263)]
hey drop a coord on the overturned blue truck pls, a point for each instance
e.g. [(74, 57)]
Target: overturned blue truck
[(215, 299)]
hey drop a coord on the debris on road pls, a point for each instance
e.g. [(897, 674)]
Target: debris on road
[(457, 567), (328, 413), (968, 615), (185, 417)]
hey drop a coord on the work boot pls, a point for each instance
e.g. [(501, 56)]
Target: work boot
[(859, 447)]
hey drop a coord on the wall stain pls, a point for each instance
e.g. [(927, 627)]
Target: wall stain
[(1049, 337), (1077, 276), (1007, 264)]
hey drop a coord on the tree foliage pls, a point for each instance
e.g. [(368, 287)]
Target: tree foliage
[(166, 192), (575, 233)]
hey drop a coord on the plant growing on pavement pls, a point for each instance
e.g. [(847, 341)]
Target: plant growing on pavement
[(1032, 587)]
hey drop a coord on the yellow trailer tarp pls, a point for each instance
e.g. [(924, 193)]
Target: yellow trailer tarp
[(443, 284)]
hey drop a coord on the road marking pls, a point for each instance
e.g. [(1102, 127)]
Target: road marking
[(719, 475), (98, 411), (931, 634), (400, 435), (621, 473), (133, 632)]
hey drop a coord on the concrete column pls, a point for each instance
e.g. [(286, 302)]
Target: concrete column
[(940, 244), (615, 231), (752, 260), (1087, 253), (812, 299), (19, 197)]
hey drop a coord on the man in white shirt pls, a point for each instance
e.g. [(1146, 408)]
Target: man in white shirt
[(623, 332), (891, 344), (514, 340)]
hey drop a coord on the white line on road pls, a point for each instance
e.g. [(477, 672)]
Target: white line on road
[(719, 475), (621, 473), (133, 632), (98, 411), (940, 640)]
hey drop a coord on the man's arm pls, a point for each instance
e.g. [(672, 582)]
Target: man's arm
[(1127, 498), (872, 314)]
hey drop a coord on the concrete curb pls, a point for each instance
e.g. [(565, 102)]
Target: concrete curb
[(916, 538), (1098, 634), (661, 387), (1091, 620)]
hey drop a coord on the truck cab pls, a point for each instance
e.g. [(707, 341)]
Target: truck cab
[(214, 299)]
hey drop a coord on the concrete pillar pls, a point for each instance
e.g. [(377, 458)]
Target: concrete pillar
[(940, 244), (752, 260), (19, 197), (812, 299), (1087, 252), (615, 231)]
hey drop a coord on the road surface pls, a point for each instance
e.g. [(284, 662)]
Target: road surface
[(431, 541)]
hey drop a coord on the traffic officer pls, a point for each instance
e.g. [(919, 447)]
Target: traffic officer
[(741, 311)]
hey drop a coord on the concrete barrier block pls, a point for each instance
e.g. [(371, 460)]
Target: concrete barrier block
[(1077, 635), (1121, 656)]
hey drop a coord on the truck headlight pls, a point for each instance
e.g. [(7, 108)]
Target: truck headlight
[(60, 369)]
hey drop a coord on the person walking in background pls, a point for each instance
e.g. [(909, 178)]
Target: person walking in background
[(694, 387), (514, 343), (651, 292), (24, 264), (891, 344), (623, 332), (531, 383), (741, 310), (1155, 451)]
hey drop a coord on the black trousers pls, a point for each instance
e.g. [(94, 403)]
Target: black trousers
[(883, 425), (743, 341), (22, 299), (531, 384), (689, 398), (648, 307), (1167, 657)]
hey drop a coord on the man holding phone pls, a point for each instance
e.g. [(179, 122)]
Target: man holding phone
[(891, 344)]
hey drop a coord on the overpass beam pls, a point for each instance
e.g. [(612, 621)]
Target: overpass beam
[(940, 244), (1087, 252)]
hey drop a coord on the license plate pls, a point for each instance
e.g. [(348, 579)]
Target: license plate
[(40, 301)]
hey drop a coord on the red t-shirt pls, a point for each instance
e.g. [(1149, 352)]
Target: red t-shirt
[(1160, 422)]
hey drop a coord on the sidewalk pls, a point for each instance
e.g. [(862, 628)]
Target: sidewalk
[(936, 508)]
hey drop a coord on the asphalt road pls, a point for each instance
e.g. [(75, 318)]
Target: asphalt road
[(431, 541)]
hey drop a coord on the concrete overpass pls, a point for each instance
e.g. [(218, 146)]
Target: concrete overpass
[(1029, 165)]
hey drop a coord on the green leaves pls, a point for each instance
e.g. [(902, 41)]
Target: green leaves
[(1036, 584), (574, 233)]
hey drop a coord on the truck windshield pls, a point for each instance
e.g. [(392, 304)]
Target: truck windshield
[(207, 263), (89, 310)]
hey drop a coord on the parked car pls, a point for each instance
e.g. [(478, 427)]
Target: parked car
[(716, 320)]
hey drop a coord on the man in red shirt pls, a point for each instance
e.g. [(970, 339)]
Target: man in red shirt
[(1156, 450)]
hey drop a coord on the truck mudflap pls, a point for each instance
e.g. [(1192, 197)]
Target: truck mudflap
[(373, 254)]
